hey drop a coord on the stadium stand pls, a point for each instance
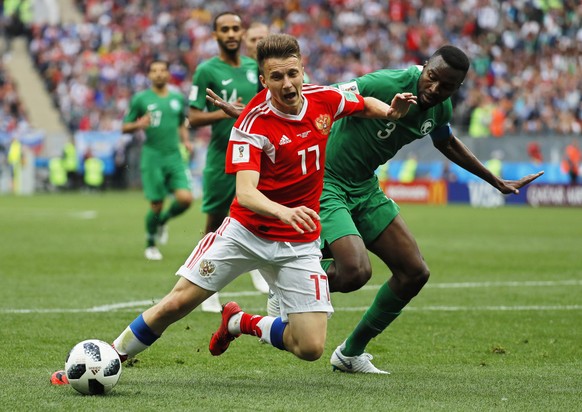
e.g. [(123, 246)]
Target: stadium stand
[(524, 53)]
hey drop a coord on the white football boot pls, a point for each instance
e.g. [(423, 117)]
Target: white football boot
[(353, 364), (153, 253)]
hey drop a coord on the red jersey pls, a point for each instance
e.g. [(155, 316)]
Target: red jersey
[(289, 153)]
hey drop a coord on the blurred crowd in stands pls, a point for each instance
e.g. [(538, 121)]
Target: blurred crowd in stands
[(13, 116), (525, 53)]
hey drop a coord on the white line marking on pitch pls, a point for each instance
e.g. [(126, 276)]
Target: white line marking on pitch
[(144, 305), (149, 302), (505, 284), (473, 308)]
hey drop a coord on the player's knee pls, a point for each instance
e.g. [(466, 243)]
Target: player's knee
[(185, 199), (310, 351), (305, 335), (186, 203), (421, 277), (416, 278), (352, 276)]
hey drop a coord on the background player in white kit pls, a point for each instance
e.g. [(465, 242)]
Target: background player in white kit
[(277, 150)]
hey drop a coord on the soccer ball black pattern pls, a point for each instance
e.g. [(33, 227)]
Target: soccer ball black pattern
[(93, 367)]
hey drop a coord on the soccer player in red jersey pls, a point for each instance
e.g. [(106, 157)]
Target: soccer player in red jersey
[(277, 151)]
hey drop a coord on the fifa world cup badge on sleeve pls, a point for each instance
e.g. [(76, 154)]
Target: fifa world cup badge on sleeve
[(240, 153), (349, 87)]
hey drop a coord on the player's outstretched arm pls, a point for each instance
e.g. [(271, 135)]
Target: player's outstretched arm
[(460, 154), (230, 109), (377, 109)]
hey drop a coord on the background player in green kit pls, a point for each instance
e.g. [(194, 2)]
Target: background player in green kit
[(234, 78), (160, 113), (355, 214)]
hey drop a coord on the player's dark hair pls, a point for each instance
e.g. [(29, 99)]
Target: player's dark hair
[(158, 61), (454, 57), (224, 13), (278, 46)]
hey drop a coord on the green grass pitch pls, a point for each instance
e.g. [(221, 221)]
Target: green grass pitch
[(498, 327)]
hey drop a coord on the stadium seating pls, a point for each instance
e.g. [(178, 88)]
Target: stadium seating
[(523, 55)]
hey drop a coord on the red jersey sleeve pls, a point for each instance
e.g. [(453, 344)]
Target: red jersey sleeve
[(242, 153), (244, 150), (350, 103)]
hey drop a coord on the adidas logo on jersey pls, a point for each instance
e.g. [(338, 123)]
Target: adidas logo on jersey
[(284, 140)]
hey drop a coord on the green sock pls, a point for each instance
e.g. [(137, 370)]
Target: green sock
[(152, 220), (385, 308), (175, 209)]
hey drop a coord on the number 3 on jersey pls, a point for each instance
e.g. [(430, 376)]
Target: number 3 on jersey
[(303, 154)]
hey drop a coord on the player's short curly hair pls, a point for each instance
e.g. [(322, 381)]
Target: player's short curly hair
[(454, 57)]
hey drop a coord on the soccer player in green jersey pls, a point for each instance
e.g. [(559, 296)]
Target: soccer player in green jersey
[(357, 217), (160, 113), (235, 78)]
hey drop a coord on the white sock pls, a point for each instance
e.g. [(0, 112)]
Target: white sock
[(265, 326), (128, 344), (234, 324)]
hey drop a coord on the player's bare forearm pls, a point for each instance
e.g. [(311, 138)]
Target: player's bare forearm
[(185, 138), (460, 154), (301, 218), (141, 123), (199, 118), (129, 127), (377, 109), (231, 110), (250, 197)]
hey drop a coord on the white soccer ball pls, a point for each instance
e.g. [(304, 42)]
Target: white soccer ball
[(93, 367)]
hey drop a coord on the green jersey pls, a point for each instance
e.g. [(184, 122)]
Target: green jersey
[(230, 83), (357, 146), (167, 114)]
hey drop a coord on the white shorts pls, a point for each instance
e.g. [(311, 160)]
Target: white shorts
[(292, 270)]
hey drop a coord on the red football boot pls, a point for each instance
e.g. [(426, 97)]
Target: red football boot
[(59, 378), (221, 339)]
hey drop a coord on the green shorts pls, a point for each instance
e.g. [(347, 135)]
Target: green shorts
[(366, 214), (163, 174), (218, 190)]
